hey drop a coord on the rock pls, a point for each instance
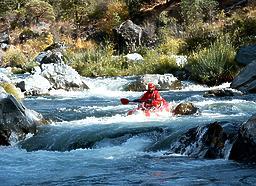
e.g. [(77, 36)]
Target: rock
[(4, 37), (222, 93), (134, 57), (62, 76), (128, 36), (185, 109), (246, 54), (202, 142), (244, 147), (31, 87), (245, 81), (162, 82), (181, 61), (15, 120), (51, 54), (49, 57), (4, 78)]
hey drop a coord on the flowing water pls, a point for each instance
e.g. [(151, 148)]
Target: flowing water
[(91, 140)]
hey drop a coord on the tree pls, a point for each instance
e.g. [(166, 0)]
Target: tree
[(11, 5), (39, 11), (194, 11)]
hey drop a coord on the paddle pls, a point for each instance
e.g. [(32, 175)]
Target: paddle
[(125, 101)]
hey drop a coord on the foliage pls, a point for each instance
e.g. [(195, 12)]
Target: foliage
[(115, 14), (215, 64), (38, 10), (34, 46), (101, 62), (11, 89), (199, 37), (198, 10), (242, 26), (171, 46), (14, 58), (11, 5)]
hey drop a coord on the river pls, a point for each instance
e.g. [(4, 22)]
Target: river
[(91, 140)]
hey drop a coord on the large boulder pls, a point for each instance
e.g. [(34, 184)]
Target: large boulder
[(31, 87), (51, 54), (162, 82), (246, 54), (245, 81), (128, 36), (62, 76), (15, 120), (185, 109), (205, 142), (244, 147)]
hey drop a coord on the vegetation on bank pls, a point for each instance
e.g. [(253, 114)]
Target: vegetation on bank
[(200, 30)]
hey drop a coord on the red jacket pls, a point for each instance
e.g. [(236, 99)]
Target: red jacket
[(157, 100)]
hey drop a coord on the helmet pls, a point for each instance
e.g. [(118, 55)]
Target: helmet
[(151, 86)]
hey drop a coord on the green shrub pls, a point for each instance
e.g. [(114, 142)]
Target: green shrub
[(14, 58), (199, 36), (215, 64), (242, 29), (11, 89), (101, 62)]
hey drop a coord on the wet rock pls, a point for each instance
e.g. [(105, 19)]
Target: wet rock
[(246, 54), (185, 109), (162, 82), (244, 147), (222, 93), (202, 142), (245, 81), (15, 120)]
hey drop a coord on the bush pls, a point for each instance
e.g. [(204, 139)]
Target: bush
[(215, 64), (114, 15), (199, 36), (11, 89), (170, 46), (14, 58), (101, 62), (242, 27)]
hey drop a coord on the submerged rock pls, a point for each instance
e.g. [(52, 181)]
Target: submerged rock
[(222, 93), (244, 147), (15, 120), (185, 109)]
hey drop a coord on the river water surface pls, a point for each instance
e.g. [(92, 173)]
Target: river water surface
[(91, 140)]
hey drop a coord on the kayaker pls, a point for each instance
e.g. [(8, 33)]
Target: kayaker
[(152, 98)]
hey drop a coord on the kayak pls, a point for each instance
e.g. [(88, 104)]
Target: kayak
[(153, 111)]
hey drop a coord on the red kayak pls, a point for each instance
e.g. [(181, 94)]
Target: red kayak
[(153, 111)]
